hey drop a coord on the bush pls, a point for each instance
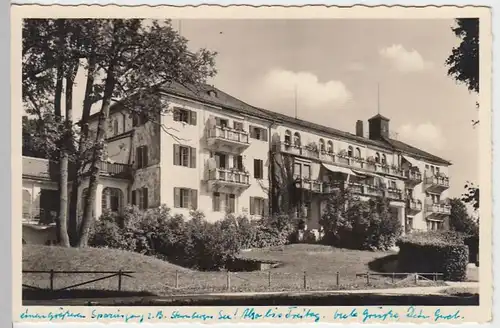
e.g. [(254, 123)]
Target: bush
[(351, 223), (193, 243), (434, 252)]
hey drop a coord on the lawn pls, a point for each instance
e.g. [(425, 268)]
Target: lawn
[(157, 277)]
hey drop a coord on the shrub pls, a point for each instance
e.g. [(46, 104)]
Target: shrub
[(351, 223), (434, 252), (194, 243)]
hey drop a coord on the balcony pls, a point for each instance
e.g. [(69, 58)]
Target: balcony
[(413, 206), (394, 194), (116, 170), (437, 183), (34, 215), (227, 139), (413, 178), (438, 209), (228, 180), (314, 186)]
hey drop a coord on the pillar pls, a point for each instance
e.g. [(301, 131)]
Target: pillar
[(402, 218), (98, 201)]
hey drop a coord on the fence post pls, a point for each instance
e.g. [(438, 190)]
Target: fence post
[(52, 280), (305, 280), (393, 277), (416, 278), (338, 278), (177, 279), (120, 280), (228, 280), (269, 279), (368, 278)]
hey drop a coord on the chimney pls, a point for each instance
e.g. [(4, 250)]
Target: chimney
[(359, 128)]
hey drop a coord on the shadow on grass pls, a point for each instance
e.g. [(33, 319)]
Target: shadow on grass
[(385, 264), (44, 294)]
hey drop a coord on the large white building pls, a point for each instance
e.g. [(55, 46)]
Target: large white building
[(214, 153)]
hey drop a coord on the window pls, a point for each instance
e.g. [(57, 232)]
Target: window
[(238, 163), (216, 202), (230, 203), (384, 159), (220, 160), (350, 151), (185, 198), (221, 122), (258, 168), (306, 171), (238, 126), (184, 115), (258, 206), (288, 137), (258, 133), (392, 184), (437, 170), (184, 156), (296, 139), (330, 146), (358, 152), (410, 222), (321, 145), (432, 170), (377, 157), (140, 198), (139, 119), (111, 199), (116, 128), (297, 170), (142, 156), (426, 167)]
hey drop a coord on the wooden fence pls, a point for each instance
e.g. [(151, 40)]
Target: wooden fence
[(110, 274)]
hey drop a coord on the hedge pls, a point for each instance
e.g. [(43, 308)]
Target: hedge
[(434, 253)]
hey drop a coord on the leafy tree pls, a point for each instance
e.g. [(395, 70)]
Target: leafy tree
[(350, 222), (471, 195), (125, 63), (464, 59), (460, 220)]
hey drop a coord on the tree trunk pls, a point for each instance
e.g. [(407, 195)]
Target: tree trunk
[(77, 169), (64, 162), (58, 117), (88, 218)]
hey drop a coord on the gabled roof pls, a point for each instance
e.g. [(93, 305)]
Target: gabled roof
[(212, 96)]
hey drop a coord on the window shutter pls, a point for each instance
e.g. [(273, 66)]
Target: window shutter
[(192, 151), (252, 132), (145, 198), (193, 117), (266, 208), (252, 206), (177, 155), (104, 200), (255, 168), (264, 135), (138, 157), (177, 114), (177, 197), (194, 199), (240, 162), (134, 199), (145, 156)]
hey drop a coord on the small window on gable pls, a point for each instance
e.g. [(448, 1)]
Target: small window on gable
[(350, 151), (330, 146), (358, 152), (321, 145), (296, 139), (288, 137), (377, 157), (384, 159)]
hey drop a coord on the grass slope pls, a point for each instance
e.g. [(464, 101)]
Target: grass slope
[(154, 276)]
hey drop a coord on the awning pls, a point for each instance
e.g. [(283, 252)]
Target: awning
[(338, 169), (410, 160), (368, 174)]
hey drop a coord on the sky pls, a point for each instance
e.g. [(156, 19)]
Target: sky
[(346, 70)]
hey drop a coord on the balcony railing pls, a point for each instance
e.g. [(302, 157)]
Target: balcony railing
[(438, 208), (342, 159), (414, 205), (115, 169), (413, 176), (38, 216), (394, 194), (309, 184), (228, 135), (229, 176), (437, 182)]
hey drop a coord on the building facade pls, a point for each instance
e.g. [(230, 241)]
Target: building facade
[(211, 152)]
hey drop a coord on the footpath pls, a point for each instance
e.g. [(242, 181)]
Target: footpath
[(227, 296)]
